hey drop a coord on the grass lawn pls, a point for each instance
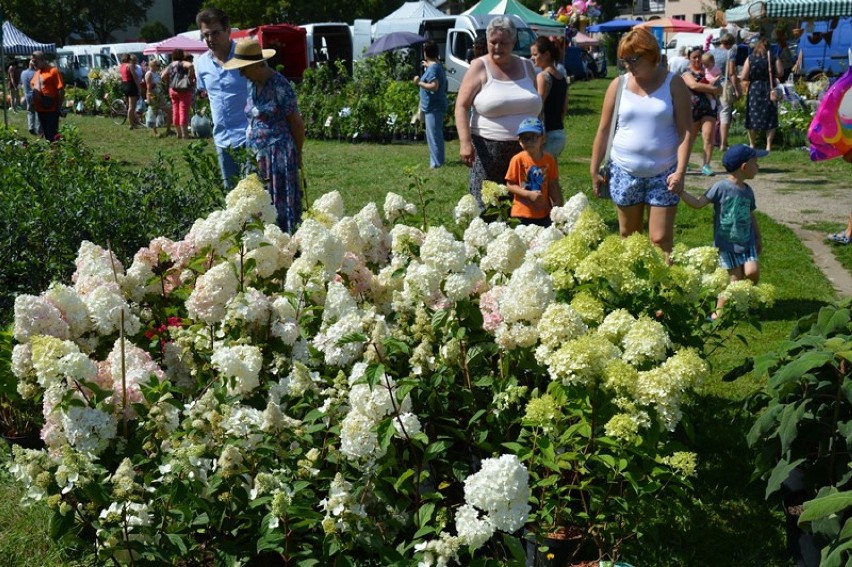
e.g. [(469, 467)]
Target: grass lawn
[(728, 522)]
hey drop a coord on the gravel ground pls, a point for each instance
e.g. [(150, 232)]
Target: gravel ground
[(797, 208)]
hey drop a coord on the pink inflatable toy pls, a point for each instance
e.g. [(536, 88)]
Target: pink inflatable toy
[(830, 133)]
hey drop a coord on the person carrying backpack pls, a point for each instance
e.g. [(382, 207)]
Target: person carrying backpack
[(180, 76)]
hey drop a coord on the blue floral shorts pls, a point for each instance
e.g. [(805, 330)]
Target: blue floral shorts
[(628, 190)]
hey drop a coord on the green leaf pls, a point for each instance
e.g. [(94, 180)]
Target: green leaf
[(352, 338), (798, 367), (424, 514), (177, 541), (514, 546), (779, 474), (788, 426), (402, 478), (825, 506), (436, 449)]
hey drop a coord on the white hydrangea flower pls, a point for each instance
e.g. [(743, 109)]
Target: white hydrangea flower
[(96, 263), (213, 290), (527, 295), (22, 360), (407, 424), (439, 552), (250, 307), (327, 341), (338, 303), (645, 341), (466, 210), (48, 354), (462, 285), (71, 306), (442, 252), (271, 250), (331, 205), (377, 242), (396, 206), (476, 238), (420, 284), (564, 218), (216, 230), (616, 324), (37, 316), (318, 244), (138, 367), (106, 305), (405, 240), (241, 362), (358, 437), (501, 489), (473, 530), (284, 322), (89, 430), (504, 254), (250, 199), (560, 323), (346, 229)]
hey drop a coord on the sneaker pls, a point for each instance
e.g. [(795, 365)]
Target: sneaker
[(839, 238), (707, 171)]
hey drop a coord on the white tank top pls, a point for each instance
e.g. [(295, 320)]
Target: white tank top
[(500, 106), (646, 140)]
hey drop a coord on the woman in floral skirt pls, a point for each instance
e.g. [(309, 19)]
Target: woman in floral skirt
[(276, 130)]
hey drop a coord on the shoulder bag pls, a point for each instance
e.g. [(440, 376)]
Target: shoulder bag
[(603, 171), (179, 78), (773, 93)]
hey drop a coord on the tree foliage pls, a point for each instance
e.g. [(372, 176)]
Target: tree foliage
[(248, 13), (154, 31), (55, 22)]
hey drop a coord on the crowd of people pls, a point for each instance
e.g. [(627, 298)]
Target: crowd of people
[(510, 116)]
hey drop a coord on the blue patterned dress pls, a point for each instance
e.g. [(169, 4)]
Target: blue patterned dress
[(270, 140)]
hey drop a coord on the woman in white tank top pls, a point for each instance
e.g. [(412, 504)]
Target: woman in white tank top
[(650, 148), (496, 94)]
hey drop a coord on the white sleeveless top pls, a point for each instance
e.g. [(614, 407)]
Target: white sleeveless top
[(500, 106), (646, 140)]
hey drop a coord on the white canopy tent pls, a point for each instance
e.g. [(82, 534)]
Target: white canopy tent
[(405, 18)]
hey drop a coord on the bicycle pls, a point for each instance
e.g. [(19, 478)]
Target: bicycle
[(118, 111)]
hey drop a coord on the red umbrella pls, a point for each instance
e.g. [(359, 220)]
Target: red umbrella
[(670, 25)]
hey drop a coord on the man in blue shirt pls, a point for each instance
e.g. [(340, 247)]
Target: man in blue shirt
[(32, 117), (226, 90)]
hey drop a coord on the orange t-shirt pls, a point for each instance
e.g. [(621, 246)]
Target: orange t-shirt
[(48, 82), (534, 176)]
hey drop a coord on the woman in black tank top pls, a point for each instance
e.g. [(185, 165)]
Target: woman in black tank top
[(552, 86)]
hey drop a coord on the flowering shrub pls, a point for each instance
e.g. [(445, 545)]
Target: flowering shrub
[(365, 389)]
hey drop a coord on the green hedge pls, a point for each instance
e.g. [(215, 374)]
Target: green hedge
[(57, 195)]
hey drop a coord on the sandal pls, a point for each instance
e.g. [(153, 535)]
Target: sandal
[(839, 238)]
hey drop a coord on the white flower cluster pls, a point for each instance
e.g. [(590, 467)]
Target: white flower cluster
[(343, 513), (496, 497), (395, 207), (241, 365)]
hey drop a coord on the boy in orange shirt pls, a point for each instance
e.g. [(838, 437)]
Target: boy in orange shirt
[(533, 177)]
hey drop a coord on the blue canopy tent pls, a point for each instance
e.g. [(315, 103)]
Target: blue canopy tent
[(614, 26)]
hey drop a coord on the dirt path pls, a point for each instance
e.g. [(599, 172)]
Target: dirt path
[(777, 197)]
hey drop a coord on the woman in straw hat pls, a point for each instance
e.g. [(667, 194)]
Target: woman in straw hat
[(276, 130)]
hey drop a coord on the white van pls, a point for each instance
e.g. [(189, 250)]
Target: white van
[(688, 40), (455, 34), (329, 41), (115, 50), (75, 62)]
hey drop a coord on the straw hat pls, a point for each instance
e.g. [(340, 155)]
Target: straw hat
[(248, 52)]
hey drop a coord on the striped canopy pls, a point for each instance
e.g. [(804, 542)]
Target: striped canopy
[(799, 9), (817, 9), (16, 42)]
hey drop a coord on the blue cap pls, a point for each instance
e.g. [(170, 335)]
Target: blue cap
[(739, 154), (533, 125)]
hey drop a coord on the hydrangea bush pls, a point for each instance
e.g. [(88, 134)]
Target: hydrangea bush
[(366, 390)]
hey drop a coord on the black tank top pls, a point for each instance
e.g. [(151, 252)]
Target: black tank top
[(555, 103)]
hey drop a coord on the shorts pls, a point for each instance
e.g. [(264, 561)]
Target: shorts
[(726, 113), (731, 260), (129, 88), (627, 190)]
